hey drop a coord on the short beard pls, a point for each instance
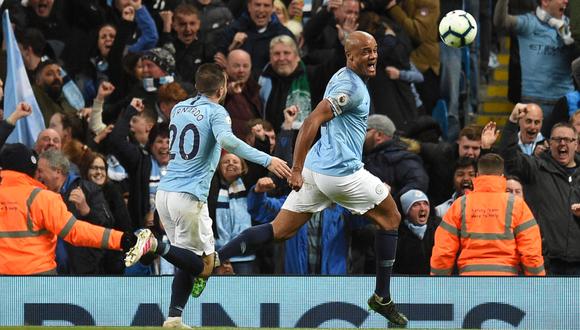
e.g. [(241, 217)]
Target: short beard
[(53, 93)]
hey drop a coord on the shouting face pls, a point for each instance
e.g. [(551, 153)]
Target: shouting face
[(361, 54)]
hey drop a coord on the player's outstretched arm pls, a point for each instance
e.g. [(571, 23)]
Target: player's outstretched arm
[(232, 144), (321, 114)]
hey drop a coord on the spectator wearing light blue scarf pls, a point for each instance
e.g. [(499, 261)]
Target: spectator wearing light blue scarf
[(416, 234)]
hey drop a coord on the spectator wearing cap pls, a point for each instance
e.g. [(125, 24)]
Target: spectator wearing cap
[(387, 157), (416, 234), (37, 216), (158, 69)]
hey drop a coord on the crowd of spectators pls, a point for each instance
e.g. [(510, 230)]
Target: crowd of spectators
[(106, 75)]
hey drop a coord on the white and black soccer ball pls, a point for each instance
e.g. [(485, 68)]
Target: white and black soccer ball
[(458, 28)]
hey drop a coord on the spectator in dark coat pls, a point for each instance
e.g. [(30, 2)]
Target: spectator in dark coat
[(243, 99), (321, 32), (391, 89), (144, 164), (94, 168), (416, 235), (387, 157), (185, 43), (440, 157), (551, 184), (84, 200), (215, 18), (252, 32)]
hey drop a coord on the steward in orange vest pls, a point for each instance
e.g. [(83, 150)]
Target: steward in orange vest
[(489, 231), (32, 217)]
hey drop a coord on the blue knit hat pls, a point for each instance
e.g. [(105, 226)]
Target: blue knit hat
[(411, 197)]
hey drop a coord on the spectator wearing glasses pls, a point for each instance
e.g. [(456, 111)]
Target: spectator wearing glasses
[(551, 181), (94, 168)]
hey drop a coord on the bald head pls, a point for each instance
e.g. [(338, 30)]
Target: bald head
[(531, 123), (361, 53), (239, 65), (355, 39), (46, 140)]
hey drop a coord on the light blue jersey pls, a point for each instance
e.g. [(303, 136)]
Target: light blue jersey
[(339, 150), (198, 130), (542, 47)]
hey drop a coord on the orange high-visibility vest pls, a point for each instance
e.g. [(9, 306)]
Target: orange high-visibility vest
[(494, 232), (31, 218)]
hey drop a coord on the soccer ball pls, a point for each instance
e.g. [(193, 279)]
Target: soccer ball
[(458, 28)]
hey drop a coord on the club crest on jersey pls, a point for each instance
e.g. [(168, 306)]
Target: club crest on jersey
[(380, 189), (342, 99)]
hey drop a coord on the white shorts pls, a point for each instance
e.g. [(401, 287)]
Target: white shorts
[(186, 221), (358, 192)]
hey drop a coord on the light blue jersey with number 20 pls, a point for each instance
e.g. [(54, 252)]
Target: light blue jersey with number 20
[(339, 150), (197, 131)]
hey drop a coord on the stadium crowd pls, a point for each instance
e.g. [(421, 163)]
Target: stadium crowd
[(106, 75)]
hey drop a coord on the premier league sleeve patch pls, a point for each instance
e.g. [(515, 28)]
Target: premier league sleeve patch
[(229, 120), (342, 99), (338, 102)]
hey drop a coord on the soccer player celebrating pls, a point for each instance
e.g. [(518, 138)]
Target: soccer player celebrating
[(332, 171), (199, 128)]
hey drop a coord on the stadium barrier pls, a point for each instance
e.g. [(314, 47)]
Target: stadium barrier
[(294, 301)]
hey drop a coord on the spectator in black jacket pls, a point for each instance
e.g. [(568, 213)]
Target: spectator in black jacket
[(252, 32), (186, 43), (416, 234), (551, 184), (94, 168), (84, 200), (144, 164), (387, 157), (321, 32), (439, 158)]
